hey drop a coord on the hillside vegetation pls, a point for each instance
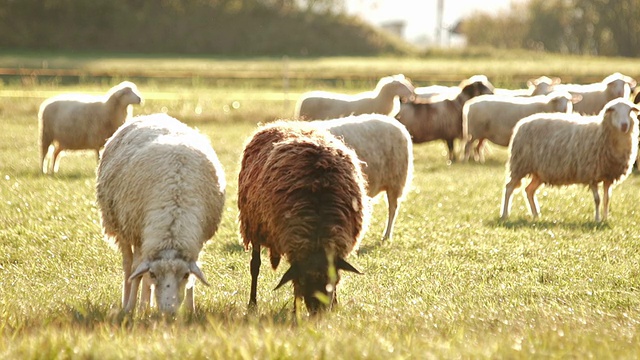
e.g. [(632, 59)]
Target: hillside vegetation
[(229, 28)]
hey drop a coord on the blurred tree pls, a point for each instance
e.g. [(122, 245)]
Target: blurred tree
[(590, 27)]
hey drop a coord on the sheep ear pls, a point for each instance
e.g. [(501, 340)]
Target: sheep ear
[(291, 274), (195, 270), (576, 98), (342, 264), (140, 270)]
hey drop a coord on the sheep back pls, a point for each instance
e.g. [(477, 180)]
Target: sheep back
[(300, 192), (383, 145), (160, 186), (493, 117)]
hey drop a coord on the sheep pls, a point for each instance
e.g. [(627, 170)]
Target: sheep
[(564, 149), (596, 95), (384, 146), (79, 122), (427, 93), (385, 99), (492, 117), (540, 86), (442, 118), (161, 190), (301, 194)]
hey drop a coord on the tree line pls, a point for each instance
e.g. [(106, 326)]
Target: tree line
[(586, 27), (212, 27)]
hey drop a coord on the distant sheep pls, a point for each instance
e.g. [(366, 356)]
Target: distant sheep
[(301, 194), (79, 122), (161, 191), (385, 99), (384, 146), (596, 95), (540, 86), (564, 149), (427, 93), (492, 117), (440, 119)]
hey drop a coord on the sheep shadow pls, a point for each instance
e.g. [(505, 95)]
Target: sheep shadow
[(90, 315), (548, 224)]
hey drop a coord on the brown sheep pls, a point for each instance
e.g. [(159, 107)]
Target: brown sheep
[(440, 118), (301, 194)]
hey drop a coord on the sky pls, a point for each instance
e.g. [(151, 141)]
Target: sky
[(420, 15)]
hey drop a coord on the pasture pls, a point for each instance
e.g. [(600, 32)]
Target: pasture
[(455, 282)]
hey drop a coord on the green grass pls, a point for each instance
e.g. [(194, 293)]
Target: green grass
[(455, 282)]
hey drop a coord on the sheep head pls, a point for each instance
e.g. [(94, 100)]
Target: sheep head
[(621, 114), (170, 276), (315, 280)]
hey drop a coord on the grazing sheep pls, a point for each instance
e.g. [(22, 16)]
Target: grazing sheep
[(79, 122), (321, 105), (442, 118), (384, 146), (427, 93), (563, 149), (161, 191), (492, 117), (596, 95), (301, 194)]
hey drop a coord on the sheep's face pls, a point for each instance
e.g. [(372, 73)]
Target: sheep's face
[(622, 115), (315, 281), (562, 104), (403, 88), (170, 278), (130, 96), (618, 89)]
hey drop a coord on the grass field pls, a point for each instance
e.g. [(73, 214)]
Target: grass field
[(454, 283)]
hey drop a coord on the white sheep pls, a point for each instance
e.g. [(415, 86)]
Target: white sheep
[(492, 117), (564, 149), (385, 148), (540, 86), (161, 191), (385, 99), (596, 95), (79, 122)]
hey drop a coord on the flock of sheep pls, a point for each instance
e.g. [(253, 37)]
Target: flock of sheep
[(304, 185)]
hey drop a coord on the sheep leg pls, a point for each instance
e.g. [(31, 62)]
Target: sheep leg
[(606, 195), (530, 190), (467, 149), (55, 160), (133, 295), (596, 199), (452, 155), (145, 293), (127, 260), (98, 156), (508, 192), (392, 201), (44, 150), (255, 270), (479, 152)]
